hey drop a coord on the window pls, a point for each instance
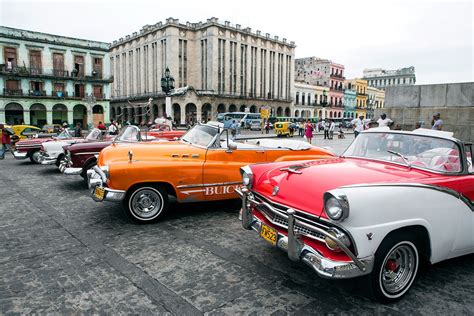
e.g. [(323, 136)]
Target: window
[(79, 90), (297, 98), (204, 64), (233, 67), (13, 87), (36, 88), (97, 71), (183, 62), (59, 90), (78, 70), (309, 98), (58, 65), (221, 66), (243, 69), (302, 98), (263, 71), (35, 62), (98, 92), (10, 57)]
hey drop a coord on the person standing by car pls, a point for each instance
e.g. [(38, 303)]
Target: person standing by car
[(308, 131), (358, 125), (78, 130), (384, 120), (102, 126), (437, 122), (327, 125), (332, 127), (5, 141), (267, 127), (233, 129), (301, 129), (113, 129)]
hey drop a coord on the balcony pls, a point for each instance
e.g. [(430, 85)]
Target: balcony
[(338, 90), (340, 77), (37, 93), (12, 92), (55, 74), (43, 94)]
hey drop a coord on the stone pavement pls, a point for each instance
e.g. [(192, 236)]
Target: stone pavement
[(61, 252)]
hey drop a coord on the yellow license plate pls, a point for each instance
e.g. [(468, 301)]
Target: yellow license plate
[(269, 234), (99, 193)]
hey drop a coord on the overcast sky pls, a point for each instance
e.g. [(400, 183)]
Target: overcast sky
[(434, 36)]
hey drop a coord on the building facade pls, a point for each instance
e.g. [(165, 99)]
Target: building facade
[(360, 87), (382, 78), (375, 100), (324, 72), (349, 100), (50, 79), (310, 101), (217, 68)]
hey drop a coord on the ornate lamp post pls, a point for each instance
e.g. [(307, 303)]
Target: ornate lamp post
[(167, 85), (90, 101)]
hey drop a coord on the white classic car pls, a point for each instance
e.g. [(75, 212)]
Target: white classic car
[(392, 200), (52, 152)]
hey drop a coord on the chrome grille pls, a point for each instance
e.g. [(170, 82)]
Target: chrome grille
[(281, 220)]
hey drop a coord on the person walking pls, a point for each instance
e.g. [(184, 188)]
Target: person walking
[(113, 129), (358, 125), (267, 127), (309, 131), (326, 129), (102, 126), (78, 130), (332, 127), (233, 129), (437, 122), (5, 141), (301, 129), (384, 120)]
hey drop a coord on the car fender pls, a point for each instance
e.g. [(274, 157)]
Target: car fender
[(376, 210)]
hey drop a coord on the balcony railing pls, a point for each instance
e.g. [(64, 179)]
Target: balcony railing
[(341, 90), (12, 92), (43, 94), (52, 73), (37, 93), (338, 76)]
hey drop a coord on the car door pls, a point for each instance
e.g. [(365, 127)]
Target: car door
[(221, 171)]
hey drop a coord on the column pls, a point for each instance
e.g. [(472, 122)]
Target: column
[(183, 114), (199, 112), (106, 107), (70, 116), (49, 116), (26, 117), (169, 108)]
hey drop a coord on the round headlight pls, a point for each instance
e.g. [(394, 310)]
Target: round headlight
[(334, 209), (245, 179)]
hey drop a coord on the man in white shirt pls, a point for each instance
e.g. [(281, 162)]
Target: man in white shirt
[(113, 129), (332, 127), (384, 120), (358, 125)]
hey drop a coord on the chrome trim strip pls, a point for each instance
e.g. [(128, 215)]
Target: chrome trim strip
[(446, 190), (206, 185), (87, 153)]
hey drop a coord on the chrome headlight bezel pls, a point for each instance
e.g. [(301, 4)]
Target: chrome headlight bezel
[(334, 200), (247, 176), (105, 170)]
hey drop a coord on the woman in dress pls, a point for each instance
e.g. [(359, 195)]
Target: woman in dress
[(308, 131)]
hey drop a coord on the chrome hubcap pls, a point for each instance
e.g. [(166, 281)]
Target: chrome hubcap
[(146, 203), (398, 269), (36, 156)]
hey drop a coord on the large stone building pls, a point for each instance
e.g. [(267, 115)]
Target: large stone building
[(52, 79), (382, 78), (217, 68), (323, 72), (310, 101), (375, 100)]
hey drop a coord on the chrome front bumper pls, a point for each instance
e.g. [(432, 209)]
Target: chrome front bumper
[(19, 155), (70, 171), (298, 251), (96, 177), (46, 160)]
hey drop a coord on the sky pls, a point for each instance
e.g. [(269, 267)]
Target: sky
[(436, 37)]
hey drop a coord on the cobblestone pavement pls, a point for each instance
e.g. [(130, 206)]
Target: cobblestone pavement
[(60, 252)]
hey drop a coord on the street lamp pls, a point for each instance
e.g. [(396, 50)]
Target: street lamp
[(90, 101), (167, 85)]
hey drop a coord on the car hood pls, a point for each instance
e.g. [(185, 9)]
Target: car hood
[(304, 191), (148, 151), (87, 146)]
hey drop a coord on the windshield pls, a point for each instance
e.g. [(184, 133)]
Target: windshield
[(425, 152), (200, 135), (129, 134), (64, 134), (94, 134)]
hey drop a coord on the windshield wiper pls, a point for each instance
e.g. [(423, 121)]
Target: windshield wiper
[(405, 159)]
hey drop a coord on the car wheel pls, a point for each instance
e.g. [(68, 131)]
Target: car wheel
[(146, 204), (90, 165), (34, 156), (395, 267), (59, 159)]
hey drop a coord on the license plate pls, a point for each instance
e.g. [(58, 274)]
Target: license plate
[(99, 193), (269, 234)]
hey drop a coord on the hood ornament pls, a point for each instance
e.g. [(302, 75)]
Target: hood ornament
[(294, 168), (275, 190)]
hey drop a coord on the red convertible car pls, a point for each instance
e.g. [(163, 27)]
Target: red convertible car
[(394, 199)]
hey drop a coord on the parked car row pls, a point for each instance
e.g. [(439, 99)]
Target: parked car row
[(392, 201)]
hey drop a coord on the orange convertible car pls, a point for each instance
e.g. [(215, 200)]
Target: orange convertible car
[(203, 166)]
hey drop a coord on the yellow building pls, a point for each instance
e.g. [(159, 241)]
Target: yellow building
[(361, 97)]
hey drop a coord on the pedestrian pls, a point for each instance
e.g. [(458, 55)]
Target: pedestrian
[(301, 129), (308, 131), (267, 127), (332, 127), (341, 132), (78, 130), (384, 120), (358, 125), (5, 141), (113, 129), (233, 129), (326, 129), (102, 126), (437, 122)]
